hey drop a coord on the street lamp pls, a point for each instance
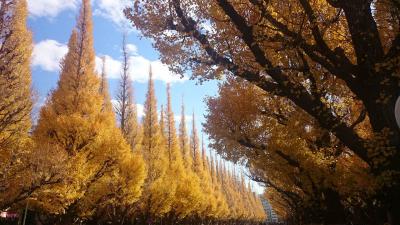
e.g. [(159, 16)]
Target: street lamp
[(26, 209)]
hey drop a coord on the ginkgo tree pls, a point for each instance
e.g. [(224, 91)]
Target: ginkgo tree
[(288, 152), (78, 121), (159, 190), (15, 96), (23, 167)]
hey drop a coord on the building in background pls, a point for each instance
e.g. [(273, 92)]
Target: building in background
[(271, 215)]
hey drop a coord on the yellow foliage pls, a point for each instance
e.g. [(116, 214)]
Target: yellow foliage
[(75, 121), (15, 77), (15, 102), (158, 193)]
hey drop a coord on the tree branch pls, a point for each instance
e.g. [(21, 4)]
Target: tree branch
[(297, 93), (190, 27)]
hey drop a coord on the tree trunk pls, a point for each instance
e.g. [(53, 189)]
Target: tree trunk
[(335, 213)]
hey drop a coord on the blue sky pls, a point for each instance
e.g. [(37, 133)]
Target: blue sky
[(51, 22)]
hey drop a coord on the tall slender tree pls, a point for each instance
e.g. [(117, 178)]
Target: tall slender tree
[(126, 108), (157, 197)]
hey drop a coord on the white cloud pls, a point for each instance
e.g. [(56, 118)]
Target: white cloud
[(113, 10), (140, 110), (132, 49), (50, 8), (113, 67), (188, 118), (139, 69), (47, 55), (109, 9)]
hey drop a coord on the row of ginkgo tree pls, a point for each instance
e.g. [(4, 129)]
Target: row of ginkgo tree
[(78, 166)]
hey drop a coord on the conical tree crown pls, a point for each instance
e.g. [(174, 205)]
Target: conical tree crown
[(78, 86), (77, 101), (158, 196), (152, 137)]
